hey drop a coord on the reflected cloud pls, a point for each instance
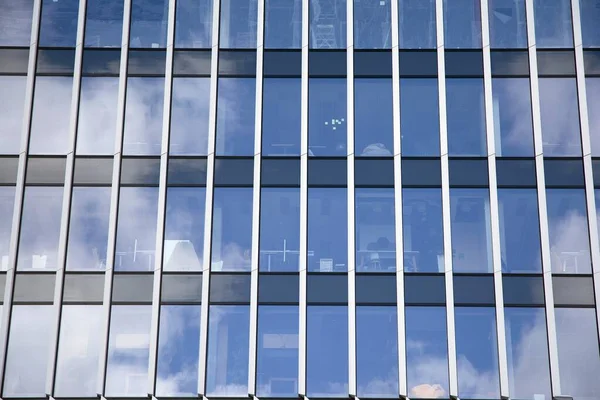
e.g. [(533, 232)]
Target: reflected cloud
[(143, 116), (15, 23), (593, 103), (12, 98), (189, 116), (7, 200), (235, 116), (97, 115), (560, 117)]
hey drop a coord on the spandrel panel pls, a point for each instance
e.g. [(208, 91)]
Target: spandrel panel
[(189, 116), (15, 23), (104, 23), (7, 201), (148, 23), (12, 98), (193, 24)]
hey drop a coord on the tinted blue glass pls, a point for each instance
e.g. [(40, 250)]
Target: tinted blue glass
[(592, 86), (590, 15), (420, 124), (235, 116), (466, 117), (238, 24), (512, 117), (281, 117), (148, 23), (283, 24), (58, 25), (143, 116), (327, 24), (12, 96), (193, 24), (15, 26), (227, 364), (97, 115), (327, 117), (104, 23), (373, 130), (372, 24), (426, 352), (519, 231), (279, 229), (508, 24), (477, 352), (7, 200), (560, 116), (416, 20), (277, 359), (553, 26), (189, 116), (327, 229), (462, 24), (568, 230)]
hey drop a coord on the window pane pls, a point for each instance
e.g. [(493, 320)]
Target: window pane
[(527, 347), (372, 20), (327, 351), (590, 15), (178, 342), (104, 23), (227, 363), (593, 103), (420, 124), (466, 117), (477, 352), (281, 117), (277, 360), (553, 27), (471, 231), (16, 22), (78, 350), (97, 115), (148, 23), (375, 230), (327, 117), (189, 116), (519, 231), (40, 228), (560, 117), (7, 201), (143, 116), (417, 24), (283, 24), (136, 229), (88, 228), (12, 98), (327, 24), (373, 130), (462, 24), (238, 24), (128, 351), (508, 24), (58, 25), (568, 230), (327, 229), (235, 116), (512, 117), (426, 352), (193, 25), (377, 351)]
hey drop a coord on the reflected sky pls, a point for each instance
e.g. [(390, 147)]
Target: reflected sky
[(592, 86), (372, 20), (560, 117), (373, 125), (7, 200), (327, 124), (327, 230), (58, 25), (462, 24), (327, 24), (189, 116), (512, 117), (553, 25), (148, 23), (12, 98), (466, 117), (238, 24), (417, 24), (283, 24), (97, 115), (508, 24), (104, 23), (15, 22), (143, 116), (193, 24), (235, 116), (419, 125), (590, 15), (281, 117)]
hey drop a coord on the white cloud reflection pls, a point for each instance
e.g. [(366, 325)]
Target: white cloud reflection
[(12, 98), (97, 115)]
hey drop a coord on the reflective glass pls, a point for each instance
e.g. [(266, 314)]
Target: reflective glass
[(189, 116), (560, 117), (327, 230), (416, 20), (136, 229), (193, 24), (373, 127), (283, 24), (15, 23), (51, 112), (512, 117), (97, 115), (128, 351), (477, 352), (466, 117), (420, 124), (12, 98), (58, 25), (471, 230), (568, 231), (104, 23), (592, 86), (148, 23), (40, 228), (27, 353), (508, 24), (462, 24), (238, 24), (178, 342), (78, 350), (327, 351), (553, 26), (143, 116), (7, 201), (227, 361), (372, 24), (590, 15), (232, 229), (519, 231), (426, 352), (327, 117), (281, 117), (235, 116), (578, 353), (277, 359), (327, 24)]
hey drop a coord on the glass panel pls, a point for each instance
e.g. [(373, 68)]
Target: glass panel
[(128, 351), (471, 230), (462, 24), (7, 201), (88, 228), (232, 229), (373, 127), (477, 352), (277, 360), (590, 15), (372, 20), (592, 86), (184, 229), (193, 25), (189, 116), (281, 117), (327, 117), (16, 22), (560, 116), (466, 117), (519, 231), (568, 230), (104, 23), (27, 354), (417, 24), (136, 229), (235, 116), (327, 229), (283, 24), (420, 124), (327, 24), (508, 24), (12, 97), (238, 24), (78, 350), (377, 351), (143, 116), (178, 342), (553, 27), (227, 363), (427, 352), (512, 117), (148, 23), (327, 351), (58, 25)]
